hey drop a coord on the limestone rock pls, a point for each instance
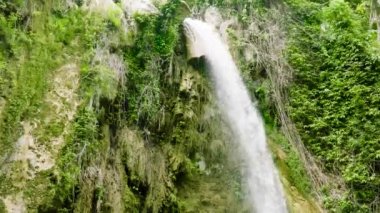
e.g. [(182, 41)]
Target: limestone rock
[(213, 16), (138, 6), (15, 204), (102, 6)]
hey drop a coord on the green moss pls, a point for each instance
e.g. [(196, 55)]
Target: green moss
[(131, 202), (203, 193), (6, 184), (2, 206), (39, 191)]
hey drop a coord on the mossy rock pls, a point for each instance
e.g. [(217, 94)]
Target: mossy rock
[(2, 206)]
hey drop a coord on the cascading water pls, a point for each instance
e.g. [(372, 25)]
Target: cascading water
[(234, 100)]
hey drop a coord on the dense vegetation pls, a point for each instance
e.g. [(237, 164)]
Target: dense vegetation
[(140, 130), (334, 99)]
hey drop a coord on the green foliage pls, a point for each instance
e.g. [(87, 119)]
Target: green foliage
[(335, 97), (159, 33), (291, 166), (155, 41), (177, 124), (132, 203), (75, 155), (2, 206), (115, 17)]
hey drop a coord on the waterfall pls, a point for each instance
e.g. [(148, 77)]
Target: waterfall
[(234, 100)]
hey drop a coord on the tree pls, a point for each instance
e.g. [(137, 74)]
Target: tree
[(375, 16)]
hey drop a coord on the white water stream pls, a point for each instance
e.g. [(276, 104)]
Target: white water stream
[(235, 102)]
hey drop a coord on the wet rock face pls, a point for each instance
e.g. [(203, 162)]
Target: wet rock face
[(192, 44), (213, 16)]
